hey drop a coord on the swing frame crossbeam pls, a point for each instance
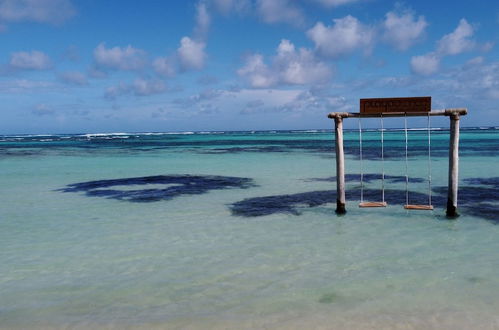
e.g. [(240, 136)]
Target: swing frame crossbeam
[(453, 114), (433, 113)]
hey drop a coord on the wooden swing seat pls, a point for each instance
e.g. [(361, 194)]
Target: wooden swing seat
[(372, 204), (418, 207)]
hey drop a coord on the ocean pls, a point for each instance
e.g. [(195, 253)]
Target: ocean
[(238, 230)]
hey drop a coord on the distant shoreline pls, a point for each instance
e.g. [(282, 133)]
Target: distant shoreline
[(271, 131)]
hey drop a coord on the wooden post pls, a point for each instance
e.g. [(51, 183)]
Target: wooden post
[(453, 166), (340, 166)]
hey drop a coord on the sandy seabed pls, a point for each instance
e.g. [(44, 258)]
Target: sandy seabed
[(455, 320)]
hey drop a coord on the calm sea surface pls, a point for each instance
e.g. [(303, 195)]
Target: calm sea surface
[(238, 230)]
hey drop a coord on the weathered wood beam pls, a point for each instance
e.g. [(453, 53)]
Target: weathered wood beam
[(446, 112)]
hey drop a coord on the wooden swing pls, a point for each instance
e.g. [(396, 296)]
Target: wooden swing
[(400, 107), (408, 206), (372, 107)]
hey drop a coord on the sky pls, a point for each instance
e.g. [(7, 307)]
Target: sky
[(71, 66)]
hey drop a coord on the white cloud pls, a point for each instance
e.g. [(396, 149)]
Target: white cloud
[(96, 72), (264, 104), (289, 66), (458, 41), (203, 97), (478, 78), (114, 91), (163, 66), (299, 67), (279, 11), (402, 30), (292, 101), (257, 72), (34, 60), (335, 3), (425, 64), (24, 86), (118, 58), (253, 106), (308, 101), (40, 11), (227, 6), (345, 36), (250, 101), (73, 77), (140, 87), (453, 43), (191, 54), (143, 87), (475, 61), (203, 19), (472, 84)]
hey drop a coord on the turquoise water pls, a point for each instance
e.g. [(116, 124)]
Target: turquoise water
[(238, 230)]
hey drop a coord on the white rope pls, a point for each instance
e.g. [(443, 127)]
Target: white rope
[(406, 164), (361, 167), (382, 162), (429, 160)]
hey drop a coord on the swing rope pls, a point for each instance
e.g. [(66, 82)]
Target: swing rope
[(406, 163), (429, 160), (382, 162), (361, 167)]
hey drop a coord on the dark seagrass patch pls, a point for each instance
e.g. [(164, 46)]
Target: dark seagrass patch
[(157, 188)]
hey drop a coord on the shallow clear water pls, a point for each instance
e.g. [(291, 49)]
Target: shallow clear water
[(238, 230)]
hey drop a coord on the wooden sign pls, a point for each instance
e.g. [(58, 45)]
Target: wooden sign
[(396, 104)]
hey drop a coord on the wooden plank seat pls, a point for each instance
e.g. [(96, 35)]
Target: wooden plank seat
[(418, 207), (372, 204)]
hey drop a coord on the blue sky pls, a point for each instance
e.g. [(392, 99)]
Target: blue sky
[(69, 66)]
